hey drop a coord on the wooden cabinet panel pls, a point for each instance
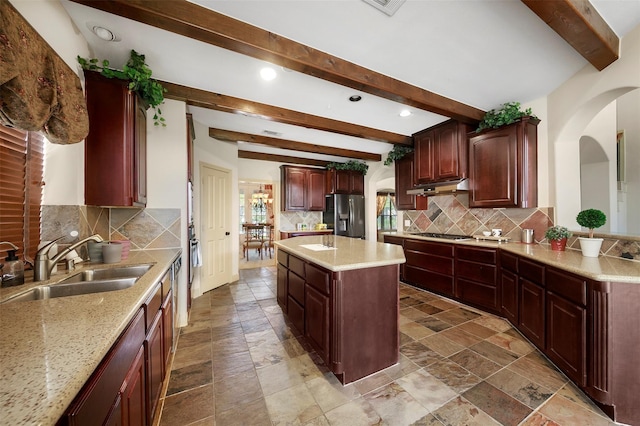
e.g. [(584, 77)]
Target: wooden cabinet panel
[(431, 281), (134, 393), (424, 144), (316, 313), (479, 294), (152, 306), (115, 148), (296, 288), (532, 271), (441, 153), (476, 271), (318, 278), (282, 286), (154, 360), (429, 262), (297, 266), (316, 192), (303, 189), (477, 277), (96, 400), (295, 312), (569, 286), (344, 182), (503, 166), (405, 180), (430, 265), (566, 339), (167, 327), (509, 295), (283, 258), (115, 417), (532, 312), (509, 261)]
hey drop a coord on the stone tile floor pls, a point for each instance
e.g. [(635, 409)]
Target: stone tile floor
[(239, 362)]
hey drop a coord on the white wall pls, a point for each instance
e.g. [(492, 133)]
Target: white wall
[(628, 110), (572, 107), (207, 150)]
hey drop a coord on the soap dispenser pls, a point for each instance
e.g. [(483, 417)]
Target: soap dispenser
[(13, 270)]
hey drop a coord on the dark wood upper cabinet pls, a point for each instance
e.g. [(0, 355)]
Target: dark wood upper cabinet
[(303, 188), (116, 146), (503, 166), (344, 182), (441, 153), (405, 180)]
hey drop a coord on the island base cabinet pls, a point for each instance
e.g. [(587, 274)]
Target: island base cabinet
[(316, 313), (365, 322)]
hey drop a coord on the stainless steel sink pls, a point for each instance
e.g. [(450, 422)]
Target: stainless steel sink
[(72, 289), (108, 273), (86, 282)]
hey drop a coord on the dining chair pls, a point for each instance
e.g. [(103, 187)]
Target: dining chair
[(268, 240), (253, 239)]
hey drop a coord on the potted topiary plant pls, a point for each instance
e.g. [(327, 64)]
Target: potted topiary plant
[(591, 219), (557, 236)]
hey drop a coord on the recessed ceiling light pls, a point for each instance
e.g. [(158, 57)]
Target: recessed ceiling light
[(355, 98), (405, 113), (102, 32), (268, 74)]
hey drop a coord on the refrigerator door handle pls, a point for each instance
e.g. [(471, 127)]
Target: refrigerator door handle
[(351, 218)]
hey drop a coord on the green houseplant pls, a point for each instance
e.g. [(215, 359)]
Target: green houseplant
[(591, 219), (398, 152), (350, 165), (138, 74), (557, 236), (509, 113)]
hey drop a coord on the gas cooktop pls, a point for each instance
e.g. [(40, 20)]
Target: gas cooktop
[(445, 236)]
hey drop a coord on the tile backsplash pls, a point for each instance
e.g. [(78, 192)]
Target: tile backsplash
[(145, 228), (451, 214), (289, 220)]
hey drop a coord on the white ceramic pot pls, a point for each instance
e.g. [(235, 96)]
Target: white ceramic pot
[(590, 246)]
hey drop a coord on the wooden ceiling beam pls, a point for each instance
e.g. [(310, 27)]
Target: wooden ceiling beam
[(580, 25), (218, 102), (281, 158), (197, 22), (231, 136)]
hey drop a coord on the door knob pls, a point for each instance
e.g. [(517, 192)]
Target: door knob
[(227, 233)]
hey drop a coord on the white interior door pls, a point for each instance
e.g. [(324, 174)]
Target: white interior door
[(216, 227)]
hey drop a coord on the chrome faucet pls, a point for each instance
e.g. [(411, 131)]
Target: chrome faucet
[(43, 265)]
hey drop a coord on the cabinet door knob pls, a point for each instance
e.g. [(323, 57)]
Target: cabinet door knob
[(227, 233)]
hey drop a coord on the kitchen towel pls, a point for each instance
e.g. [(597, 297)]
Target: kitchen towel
[(196, 254)]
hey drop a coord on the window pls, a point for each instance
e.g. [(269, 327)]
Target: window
[(387, 215), (21, 171)]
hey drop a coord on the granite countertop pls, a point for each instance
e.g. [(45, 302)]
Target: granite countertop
[(347, 253), (49, 348), (603, 268)]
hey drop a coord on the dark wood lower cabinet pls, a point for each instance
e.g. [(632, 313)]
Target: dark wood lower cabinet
[(133, 393), (350, 318), (532, 315), (566, 337), (125, 388), (430, 266), (155, 366), (509, 295), (476, 275)]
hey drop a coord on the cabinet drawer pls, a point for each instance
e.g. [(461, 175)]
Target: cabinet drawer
[(394, 240), (480, 294), (477, 255), (572, 287), (476, 271), (534, 272), (283, 258), (441, 265), (152, 306), (296, 265), (509, 261), (318, 279), (296, 288), (426, 280), (296, 314), (166, 285), (439, 249)]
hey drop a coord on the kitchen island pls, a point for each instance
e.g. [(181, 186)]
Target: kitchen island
[(344, 300)]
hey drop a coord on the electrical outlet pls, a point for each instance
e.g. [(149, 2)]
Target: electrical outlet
[(407, 222)]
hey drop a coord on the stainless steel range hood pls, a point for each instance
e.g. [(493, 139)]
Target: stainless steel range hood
[(441, 188)]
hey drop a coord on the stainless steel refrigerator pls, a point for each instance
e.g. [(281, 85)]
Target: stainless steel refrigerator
[(345, 214)]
